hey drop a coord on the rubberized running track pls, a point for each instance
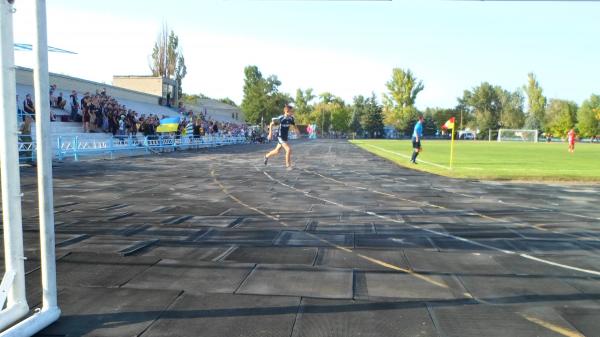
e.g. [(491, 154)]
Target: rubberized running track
[(213, 243)]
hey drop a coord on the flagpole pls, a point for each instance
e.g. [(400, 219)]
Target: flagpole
[(452, 147)]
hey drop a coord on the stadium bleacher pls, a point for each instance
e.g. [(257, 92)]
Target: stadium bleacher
[(142, 103)]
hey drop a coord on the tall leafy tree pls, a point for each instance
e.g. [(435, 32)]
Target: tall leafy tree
[(561, 116), (588, 117), (303, 105), (485, 103), (358, 111), (254, 103), (511, 113), (321, 115), (429, 126), (340, 117), (536, 104), (167, 58), (439, 116), (330, 114), (262, 99), (372, 119), (465, 115), (326, 97), (398, 104)]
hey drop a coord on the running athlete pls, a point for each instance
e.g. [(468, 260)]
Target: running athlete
[(571, 138), (285, 121), (416, 140)]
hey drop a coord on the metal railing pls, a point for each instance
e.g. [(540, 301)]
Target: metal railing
[(77, 146)]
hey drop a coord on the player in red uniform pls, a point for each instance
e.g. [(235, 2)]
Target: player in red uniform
[(571, 139)]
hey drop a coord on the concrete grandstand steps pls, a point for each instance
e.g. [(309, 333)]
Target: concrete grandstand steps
[(62, 128), (68, 131)]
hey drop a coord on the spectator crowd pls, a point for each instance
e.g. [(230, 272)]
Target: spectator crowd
[(100, 112)]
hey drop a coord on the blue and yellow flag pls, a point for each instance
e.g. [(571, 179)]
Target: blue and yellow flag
[(168, 124)]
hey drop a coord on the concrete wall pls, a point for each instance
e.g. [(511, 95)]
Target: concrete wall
[(218, 110), (150, 85), (67, 83)]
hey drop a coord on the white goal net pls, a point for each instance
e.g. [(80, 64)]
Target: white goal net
[(515, 135)]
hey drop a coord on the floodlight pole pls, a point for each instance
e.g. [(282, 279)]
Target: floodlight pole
[(16, 306)]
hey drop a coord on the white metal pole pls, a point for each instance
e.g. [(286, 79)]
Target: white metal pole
[(44, 156), (10, 177)]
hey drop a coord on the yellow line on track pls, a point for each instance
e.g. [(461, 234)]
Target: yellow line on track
[(553, 327), (344, 249), (234, 198)]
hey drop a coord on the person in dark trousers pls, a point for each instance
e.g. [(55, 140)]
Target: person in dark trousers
[(285, 122), (416, 140), (25, 137)]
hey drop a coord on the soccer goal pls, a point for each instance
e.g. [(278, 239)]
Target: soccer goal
[(517, 135)]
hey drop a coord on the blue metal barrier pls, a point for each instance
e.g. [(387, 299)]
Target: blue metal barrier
[(77, 146)]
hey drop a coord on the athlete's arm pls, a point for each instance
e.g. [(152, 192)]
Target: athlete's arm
[(270, 131)]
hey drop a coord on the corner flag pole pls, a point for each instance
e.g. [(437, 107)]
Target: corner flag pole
[(450, 125)]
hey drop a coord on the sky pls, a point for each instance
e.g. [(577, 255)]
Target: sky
[(347, 48)]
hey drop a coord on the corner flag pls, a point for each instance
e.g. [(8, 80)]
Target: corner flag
[(449, 124)]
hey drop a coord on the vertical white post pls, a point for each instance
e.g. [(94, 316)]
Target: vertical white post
[(44, 157), (10, 178)]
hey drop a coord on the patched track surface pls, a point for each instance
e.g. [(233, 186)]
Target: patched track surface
[(213, 243)]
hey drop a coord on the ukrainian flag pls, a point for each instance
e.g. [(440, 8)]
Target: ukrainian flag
[(168, 124)]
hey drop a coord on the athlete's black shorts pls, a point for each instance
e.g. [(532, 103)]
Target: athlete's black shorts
[(416, 144), (281, 140)]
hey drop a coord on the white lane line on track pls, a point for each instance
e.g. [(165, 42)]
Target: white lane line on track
[(441, 207), (407, 157), (508, 252)]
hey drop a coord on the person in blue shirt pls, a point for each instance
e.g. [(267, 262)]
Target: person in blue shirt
[(285, 121), (416, 140)]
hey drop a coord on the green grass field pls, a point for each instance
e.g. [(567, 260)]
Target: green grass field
[(494, 160)]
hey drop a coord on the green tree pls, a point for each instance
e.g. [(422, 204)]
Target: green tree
[(429, 126), (167, 57), (398, 105), (358, 111), (588, 117), (536, 103), (511, 113), (561, 116), (326, 97), (330, 114), (439, 116), (485, 103), (465, 116), (372, 119), (340, 117), (262, 100), (303, 106), (321, 116)]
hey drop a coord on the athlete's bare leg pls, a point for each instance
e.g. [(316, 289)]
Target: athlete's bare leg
[(274, 152), (288, 154)]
